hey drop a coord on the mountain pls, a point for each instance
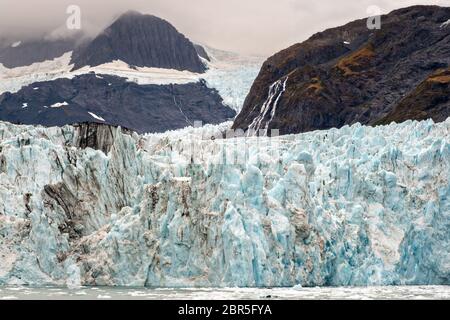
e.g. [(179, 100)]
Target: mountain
[(142, 79), (15, 54), (352, 74), (116, 101), (143, 41)]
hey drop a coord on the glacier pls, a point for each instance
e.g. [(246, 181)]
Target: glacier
[(231, 74), (96, 205)]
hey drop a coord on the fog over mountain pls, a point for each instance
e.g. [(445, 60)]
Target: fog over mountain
[(251, 26)]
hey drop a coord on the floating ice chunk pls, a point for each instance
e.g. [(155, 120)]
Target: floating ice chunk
[(96, 116), (298, 287)]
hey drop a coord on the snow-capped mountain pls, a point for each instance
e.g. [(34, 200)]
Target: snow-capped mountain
[(94, 205), (142, 98)]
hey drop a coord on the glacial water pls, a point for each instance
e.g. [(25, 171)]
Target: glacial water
[(318, 293)]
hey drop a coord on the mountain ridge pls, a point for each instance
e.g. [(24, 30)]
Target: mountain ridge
[(351, 74)]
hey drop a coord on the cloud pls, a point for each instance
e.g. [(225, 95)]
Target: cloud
[(248, 26)]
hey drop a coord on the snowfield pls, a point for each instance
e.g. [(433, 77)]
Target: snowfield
[(351, 207)]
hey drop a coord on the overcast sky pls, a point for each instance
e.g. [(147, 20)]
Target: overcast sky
[(248, 26)]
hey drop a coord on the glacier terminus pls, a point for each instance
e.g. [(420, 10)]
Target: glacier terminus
[(97, 205)]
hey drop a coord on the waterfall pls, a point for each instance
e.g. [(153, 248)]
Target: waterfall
[(275, 92)]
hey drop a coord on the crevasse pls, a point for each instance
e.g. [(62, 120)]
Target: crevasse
[(354, 206)]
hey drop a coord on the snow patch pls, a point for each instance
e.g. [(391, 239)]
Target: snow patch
[(96, 116), (445, 24), (59, 104), (12, 80)]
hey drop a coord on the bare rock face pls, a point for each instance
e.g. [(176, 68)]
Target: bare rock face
[(142, 41), (96, 136), (352, 74)]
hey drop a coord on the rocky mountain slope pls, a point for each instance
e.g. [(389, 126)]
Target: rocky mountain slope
[(143, 41), (352, 74), (94, 205), (113, 100), (15, 54)]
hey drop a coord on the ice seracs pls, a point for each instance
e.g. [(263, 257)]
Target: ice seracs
[(97, 205)]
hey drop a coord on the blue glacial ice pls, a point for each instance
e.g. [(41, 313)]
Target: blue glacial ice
[(232, 75), (350, 207)]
